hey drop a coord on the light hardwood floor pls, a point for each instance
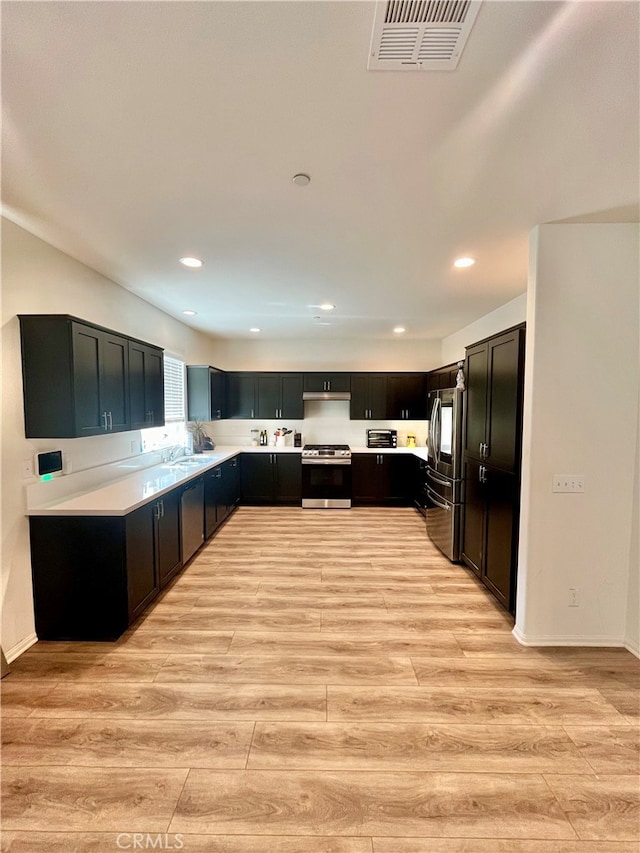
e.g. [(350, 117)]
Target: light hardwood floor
[(321, 682)]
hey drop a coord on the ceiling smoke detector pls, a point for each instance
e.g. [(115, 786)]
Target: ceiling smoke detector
[(301, 180), (420, 35)]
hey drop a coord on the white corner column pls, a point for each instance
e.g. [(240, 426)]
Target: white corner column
[(580, 417)]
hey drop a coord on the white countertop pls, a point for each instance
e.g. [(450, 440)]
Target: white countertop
[(124, 495)]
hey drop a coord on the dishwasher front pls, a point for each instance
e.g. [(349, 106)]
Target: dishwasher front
[(192, 517)]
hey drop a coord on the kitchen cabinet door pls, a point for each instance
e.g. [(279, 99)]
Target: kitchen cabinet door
[(399, 479), (501, 534), (504, 408), (288, 479), (101, 381), (90, 414), (476, 400), (241, 395), (213, 501), (493, 399), (319, 382), (257, 478), (366, 479), (291, 404), (368, 396), (114, 376), (167, 531), (269, 396), (473, 518), (406, 396), (230, 485), (279, 396), (146, 386), (141, 570), (490, 528), (206, 393)]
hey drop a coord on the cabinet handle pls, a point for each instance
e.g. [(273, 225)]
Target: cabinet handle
[(251, 412), (157, 510), (161, 509), (104, 418), (110, 421), (328, 385)]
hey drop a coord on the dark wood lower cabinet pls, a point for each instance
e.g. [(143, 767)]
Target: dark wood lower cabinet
[(490, 528), (221, 494), (92, 576), (382, 479), (167, 536), (271, 478)]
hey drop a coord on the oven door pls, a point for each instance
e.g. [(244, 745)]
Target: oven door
[(326, 485)]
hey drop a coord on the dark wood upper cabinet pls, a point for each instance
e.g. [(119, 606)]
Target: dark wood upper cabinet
[(146, 385), (100, 364), (406, 396), (279, 396), (493, 399), (494, 378), (268, 396), (79, 379), (241, 395), (368, 396), (323, 382), (206, 393), (443, 377)]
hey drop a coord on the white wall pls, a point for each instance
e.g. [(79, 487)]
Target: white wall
[(324, 422), (329, 354), (581, 417), (37, 278), (510, 314), (632, 633)]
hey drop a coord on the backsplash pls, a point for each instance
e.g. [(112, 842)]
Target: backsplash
[(325, 422)]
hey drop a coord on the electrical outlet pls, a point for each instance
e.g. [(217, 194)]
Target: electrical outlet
[(27, 469), (573, 597), (134, 446), (568, 483)]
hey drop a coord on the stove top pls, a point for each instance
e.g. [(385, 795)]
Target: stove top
[(341, 450)]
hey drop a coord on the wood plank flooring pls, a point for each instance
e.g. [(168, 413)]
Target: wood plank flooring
[(321, 682)]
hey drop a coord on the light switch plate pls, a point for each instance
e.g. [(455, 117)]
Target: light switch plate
[(568, 483)]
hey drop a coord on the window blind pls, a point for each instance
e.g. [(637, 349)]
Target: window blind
[(174, 407)]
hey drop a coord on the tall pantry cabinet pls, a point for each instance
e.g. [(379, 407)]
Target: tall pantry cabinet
[(492, 453)]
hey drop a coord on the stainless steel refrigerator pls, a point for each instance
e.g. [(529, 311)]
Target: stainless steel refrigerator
[(444, 471)]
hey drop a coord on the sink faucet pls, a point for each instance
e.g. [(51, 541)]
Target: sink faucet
[(170, 454)]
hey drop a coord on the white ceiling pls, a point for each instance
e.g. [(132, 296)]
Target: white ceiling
[(138, 132)]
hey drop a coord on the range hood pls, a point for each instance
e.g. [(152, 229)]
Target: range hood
[(326, 395)]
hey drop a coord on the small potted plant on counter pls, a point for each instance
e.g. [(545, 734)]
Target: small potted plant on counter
[(201, 440)]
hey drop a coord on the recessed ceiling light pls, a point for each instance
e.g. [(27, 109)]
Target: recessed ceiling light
[(192, 263), (301, 180), (255, 329), (464, 262), (190, 313), (327, 306), (399, 330)]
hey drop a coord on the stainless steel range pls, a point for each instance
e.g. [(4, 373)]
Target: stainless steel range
[(326, 476)]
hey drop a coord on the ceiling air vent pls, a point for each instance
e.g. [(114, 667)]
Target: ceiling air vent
[(420, 35)]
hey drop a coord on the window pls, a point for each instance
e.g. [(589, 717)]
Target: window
[(175, 429)]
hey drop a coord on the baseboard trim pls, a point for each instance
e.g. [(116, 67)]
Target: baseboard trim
[(634, 648), (15, 651), (568, 640)]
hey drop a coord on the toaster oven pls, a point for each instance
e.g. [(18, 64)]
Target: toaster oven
[(382, 438)]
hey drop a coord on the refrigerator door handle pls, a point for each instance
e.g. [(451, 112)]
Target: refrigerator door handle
[(440, 481), (437, 501), (438, 404)]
